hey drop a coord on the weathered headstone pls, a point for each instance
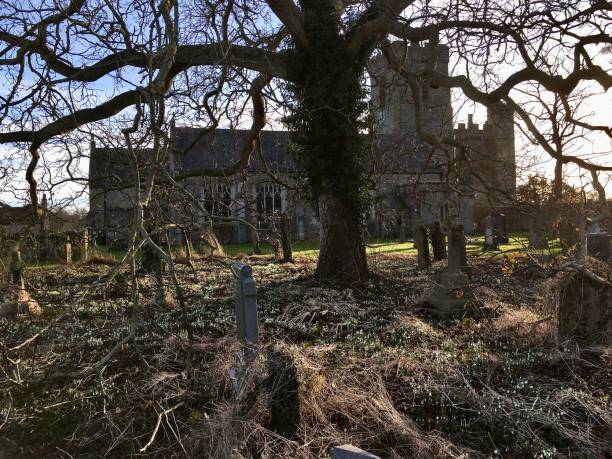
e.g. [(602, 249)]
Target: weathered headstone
[(490, 242), (537, 234), (17, 268), (585, 310), (85, 245), (422, 246), (500, 228), (285, 228), (598, 245), (276, 248), (246, 309), (350, 452), (438, 242), (68, 251), (19, 301)]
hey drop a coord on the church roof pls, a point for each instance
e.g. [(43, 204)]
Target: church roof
[(197, 149), (222, 147)]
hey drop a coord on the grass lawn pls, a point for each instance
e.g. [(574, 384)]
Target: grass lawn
[(516, 247)]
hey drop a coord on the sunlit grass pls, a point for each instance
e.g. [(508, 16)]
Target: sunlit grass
[(516, 247)]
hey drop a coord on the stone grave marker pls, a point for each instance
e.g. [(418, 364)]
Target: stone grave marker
[(85, 245), (350, 452), (438, 242), (247, 328), (451, 294), (68, 251), (422, 246), (246, 309), (500, 228), (17, 268), (537, 234), (490, 242), (585, 310), (598, 245)]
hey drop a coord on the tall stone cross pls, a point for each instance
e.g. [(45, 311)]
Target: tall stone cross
[(246, 309)]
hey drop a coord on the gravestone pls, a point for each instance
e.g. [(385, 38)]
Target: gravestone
[(68, 251), (276, 248), (286, 238), (585, 310), (451, 294), (246, 309), (490, 242), (350, 452), (17, 268), (19, 301), (598, 245), (537, 234), (438, 242), (422, 246), (85, 248), (500, 228)]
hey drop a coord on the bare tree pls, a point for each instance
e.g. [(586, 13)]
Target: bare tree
[(56, 58)]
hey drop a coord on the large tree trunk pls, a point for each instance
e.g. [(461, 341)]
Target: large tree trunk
[(342, 257)]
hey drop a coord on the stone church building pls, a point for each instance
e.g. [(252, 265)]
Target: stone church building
[(409, 178)]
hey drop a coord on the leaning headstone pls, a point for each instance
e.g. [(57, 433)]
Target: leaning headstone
[(438, 242), (68, 251), (350, 452), (490, 242), (598, 245), (585, 310), (500, 229), (246, 309), (422, 246)]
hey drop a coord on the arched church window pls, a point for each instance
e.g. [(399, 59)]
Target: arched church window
[(269, 200), (217, 199)]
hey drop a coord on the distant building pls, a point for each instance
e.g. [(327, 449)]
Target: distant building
[(410, 178)]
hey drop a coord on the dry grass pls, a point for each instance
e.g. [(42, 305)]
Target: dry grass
[(362, 366)]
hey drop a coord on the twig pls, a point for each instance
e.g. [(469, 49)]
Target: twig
[(159, 420)]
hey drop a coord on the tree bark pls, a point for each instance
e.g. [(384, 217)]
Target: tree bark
[(342, 256)]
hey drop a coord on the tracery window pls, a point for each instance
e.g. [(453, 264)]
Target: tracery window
[(218, 199), (269, 198)]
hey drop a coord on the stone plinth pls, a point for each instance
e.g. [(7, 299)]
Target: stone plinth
[(451, 294)]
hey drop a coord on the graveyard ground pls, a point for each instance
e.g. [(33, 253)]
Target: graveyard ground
[(368, 366)]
